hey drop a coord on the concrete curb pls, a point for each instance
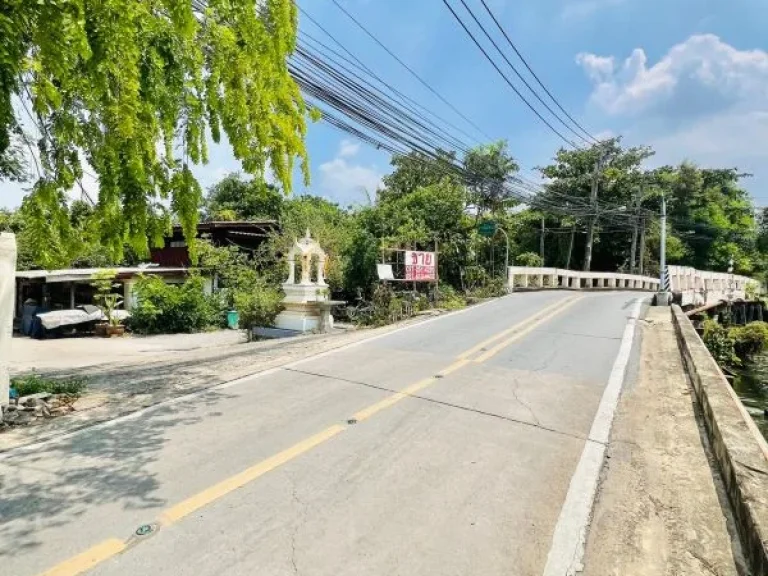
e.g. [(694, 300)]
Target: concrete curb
[(739, 449)]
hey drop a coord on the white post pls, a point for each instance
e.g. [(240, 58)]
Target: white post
[(7, 301)]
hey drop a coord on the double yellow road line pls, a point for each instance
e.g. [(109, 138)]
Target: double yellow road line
[(476, 355)]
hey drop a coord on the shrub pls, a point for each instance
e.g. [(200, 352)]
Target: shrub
[(449, 298), (172, 308), (750, 339), (529, 259), (720, 344), (34, 384), (257, 305)]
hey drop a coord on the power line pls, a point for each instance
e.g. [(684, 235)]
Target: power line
[(410, 70), (504, 76), (525, 62), (520, 76)]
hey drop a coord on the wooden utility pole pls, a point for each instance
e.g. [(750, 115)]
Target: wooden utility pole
[(541, 242), (593, 217)]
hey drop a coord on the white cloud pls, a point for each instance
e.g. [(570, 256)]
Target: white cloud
[(583, 9), (348, 148), (701, 63), (704, 101), (347, 182)]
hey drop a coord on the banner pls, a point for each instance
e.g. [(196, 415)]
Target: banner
[(420, 266)]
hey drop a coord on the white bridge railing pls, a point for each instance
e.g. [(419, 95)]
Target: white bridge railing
[(692, 287), (524, 277), (700, 288)]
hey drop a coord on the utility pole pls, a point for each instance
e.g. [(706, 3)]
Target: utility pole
[(633, 249), (641, 259), (570, 247), (593, 217), (662, 298), (541, 242)]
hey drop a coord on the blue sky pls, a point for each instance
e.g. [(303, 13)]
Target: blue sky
[(688, 77)]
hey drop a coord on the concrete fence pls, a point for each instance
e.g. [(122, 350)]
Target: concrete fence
[(738, 447), (700, 287), (525, 277)]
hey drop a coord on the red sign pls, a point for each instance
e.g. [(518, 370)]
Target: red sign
[(420, 266)]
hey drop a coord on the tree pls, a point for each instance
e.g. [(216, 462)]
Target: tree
[(235, 198), (487, 170), (570, 182), (416, 169), (712, 216), (133, 88)]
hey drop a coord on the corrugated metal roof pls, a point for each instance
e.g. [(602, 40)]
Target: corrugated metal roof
[(75, 274)]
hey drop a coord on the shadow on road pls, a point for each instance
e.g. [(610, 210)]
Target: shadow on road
[(56, 485)]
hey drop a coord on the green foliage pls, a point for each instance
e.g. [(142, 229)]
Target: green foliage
[(416, 170), (243, 288), (750, 339), (449, 298), (529, 259), (720, 344), (488, 169), (235, 198), (172, 308), (36, 384), (104, 285), (258, 305), (133, 88)]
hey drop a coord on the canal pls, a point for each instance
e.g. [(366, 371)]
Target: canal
[(751, 384)]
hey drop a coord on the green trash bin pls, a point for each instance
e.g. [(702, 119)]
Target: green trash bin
[(233, 319)]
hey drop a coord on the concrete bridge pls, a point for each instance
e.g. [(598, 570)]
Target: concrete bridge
[(690, 287), (547, 433)]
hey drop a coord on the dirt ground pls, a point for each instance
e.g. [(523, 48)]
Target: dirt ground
[(658, 511)]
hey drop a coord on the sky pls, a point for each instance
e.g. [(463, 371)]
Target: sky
[(687, 77)]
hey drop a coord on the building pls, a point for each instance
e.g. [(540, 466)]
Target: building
[(247, 235), (66, 289)]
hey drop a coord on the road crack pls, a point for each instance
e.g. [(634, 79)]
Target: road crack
[(527, 406), (301, 518)]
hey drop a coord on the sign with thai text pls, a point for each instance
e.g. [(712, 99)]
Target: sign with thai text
[(420, 266)]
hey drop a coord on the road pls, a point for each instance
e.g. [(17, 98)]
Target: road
[(447, 447)]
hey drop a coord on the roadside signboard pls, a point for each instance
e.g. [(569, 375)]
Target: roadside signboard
[(487, 228), (420, 266)]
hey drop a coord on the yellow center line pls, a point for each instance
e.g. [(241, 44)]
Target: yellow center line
[(201, 499), (109, 548), (542, 313), (527, 330), (88, 559)]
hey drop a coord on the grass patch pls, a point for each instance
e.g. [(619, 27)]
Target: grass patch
[(34, 384)]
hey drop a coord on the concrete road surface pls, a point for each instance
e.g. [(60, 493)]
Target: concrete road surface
[(455, 446)]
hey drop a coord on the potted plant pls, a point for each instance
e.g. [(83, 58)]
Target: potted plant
[(104, 284)]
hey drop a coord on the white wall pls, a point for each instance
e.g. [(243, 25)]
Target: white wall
[(7, 301)]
